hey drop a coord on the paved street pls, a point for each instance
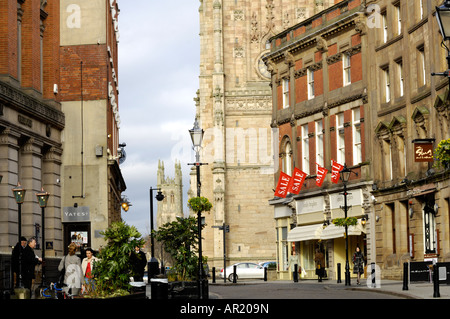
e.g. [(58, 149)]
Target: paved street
[(311, 289)]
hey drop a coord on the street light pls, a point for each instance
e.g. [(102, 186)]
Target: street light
[(197, 137), (443, 20), (345, 176), (19, 196), (153, 267), (43, 200)]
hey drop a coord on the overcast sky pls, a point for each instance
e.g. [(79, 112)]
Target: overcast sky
[(159, 54)]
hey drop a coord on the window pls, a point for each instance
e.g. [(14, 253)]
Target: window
[(421, 65), (346, 66), (387, 85), (385, 27), (401, 82), (305, 149), (357, 153), (429, 225), (287, 159), (421, 10), (387, 159), (310, 75), (340, 138), (399, 18), (319, 143), (285, 93)]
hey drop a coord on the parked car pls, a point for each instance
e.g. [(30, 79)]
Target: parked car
[(244, 271), (269, 264)]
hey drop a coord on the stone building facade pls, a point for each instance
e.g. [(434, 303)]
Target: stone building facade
[(31, 121), (234, 107), (320, 109), (410, 109)]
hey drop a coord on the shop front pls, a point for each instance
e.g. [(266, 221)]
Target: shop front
[(305, 228), (77, 228)]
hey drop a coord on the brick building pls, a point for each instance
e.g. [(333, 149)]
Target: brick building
[(31, 120), (322, 113), (89, 90)]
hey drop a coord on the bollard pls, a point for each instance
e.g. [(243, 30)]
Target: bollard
[(372, 265), (436, 293), (234, 274), (213, 275), (339, 273), (265, 274), (295, 274), (405, 276)]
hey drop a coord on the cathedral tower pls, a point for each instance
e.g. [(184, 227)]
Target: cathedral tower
[(172, 188)]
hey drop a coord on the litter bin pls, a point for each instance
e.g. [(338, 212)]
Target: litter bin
[(137, 286), (159, 288)]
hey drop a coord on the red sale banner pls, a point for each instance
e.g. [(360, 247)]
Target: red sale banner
[(321, 174), (335, 171), (297, 180), (282, 187)]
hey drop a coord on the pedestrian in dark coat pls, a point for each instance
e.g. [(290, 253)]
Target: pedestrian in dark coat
[(138, 262), (17, 256), (29, 262), (358, 263), (320, 264)]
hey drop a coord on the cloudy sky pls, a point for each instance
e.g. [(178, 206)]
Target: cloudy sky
[(158, 79)]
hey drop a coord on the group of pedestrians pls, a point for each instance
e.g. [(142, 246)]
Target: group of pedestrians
[(76, 274)]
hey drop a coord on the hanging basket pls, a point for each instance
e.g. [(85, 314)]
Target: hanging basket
[(199, 204)]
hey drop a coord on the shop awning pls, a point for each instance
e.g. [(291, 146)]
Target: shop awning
[(302, 233), (332, 231)]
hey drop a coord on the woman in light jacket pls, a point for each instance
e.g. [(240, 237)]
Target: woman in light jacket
[(73, 277), (87, 266)]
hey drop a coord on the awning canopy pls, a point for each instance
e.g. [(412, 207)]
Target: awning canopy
[(303, 233), (332, 231), (316, 232)]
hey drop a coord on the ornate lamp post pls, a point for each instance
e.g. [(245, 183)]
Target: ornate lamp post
[(19, 196), (443, 20), (197, 137), (153, 268), (345, 176), (43, 200)]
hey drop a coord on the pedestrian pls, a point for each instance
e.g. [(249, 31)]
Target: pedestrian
[(320, 264), (138, 262), (294, 260), (29, 262), (73, 278), (358, 263), (87, 265), (17, 257)]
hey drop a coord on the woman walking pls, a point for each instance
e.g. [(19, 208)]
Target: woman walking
[(358, 263), (73, 277)]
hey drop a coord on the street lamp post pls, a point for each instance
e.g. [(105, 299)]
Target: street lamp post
[(19, 196), (43, 200), (153, 267), (345, 176), (443, 20), (197, 137)]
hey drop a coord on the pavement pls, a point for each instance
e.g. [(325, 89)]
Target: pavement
[(415, 290)]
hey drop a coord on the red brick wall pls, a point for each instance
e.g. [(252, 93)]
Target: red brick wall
[(8, 37), (95, 72), (31, 37), (51, 49)]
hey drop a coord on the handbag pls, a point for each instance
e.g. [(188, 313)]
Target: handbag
[(62, 274)]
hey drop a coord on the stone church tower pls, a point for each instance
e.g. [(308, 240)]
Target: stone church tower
[(234, 107), (172, 188)]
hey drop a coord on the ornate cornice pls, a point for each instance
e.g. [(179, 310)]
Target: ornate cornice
[(30, 106)]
